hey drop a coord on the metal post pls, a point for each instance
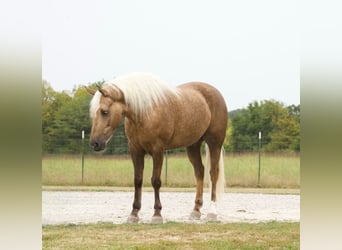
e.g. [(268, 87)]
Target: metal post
[(82, 155), (259, 159), (166, 168)]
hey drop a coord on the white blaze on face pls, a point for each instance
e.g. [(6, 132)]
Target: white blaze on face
[(94, 104)]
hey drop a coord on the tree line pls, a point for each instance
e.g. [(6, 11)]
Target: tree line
[(65, 115)]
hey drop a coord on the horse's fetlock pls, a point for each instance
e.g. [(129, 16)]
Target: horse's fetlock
[(136, 205), (199, 202)]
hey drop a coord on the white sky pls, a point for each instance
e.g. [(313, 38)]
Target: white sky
[(248, 49)]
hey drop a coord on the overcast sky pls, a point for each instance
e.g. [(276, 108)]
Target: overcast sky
[(248, 49)]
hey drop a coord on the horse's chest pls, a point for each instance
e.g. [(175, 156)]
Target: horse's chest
[(144, 137)]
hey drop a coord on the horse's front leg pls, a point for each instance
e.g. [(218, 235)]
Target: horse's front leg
[(138, 162), (156, 183)]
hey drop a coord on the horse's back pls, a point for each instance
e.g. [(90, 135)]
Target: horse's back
[(213, 97)]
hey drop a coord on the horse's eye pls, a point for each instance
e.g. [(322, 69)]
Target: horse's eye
[(104, 112)]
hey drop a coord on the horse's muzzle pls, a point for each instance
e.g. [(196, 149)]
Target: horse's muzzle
[(98, 145)]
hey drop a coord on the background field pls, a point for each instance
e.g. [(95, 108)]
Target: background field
[(241, 170)]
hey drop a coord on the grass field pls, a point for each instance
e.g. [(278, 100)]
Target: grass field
[(272, 235), (277, 171)]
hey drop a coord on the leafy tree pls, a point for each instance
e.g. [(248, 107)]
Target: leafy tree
[(278, 124), (286, 134), (294, 111), (71, 118), (52, 102)]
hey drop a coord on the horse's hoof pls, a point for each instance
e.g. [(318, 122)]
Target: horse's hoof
[(195, 215), (211, 217), (133, 219), (157, 220)]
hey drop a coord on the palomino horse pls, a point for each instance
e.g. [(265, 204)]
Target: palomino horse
[(160, 117)]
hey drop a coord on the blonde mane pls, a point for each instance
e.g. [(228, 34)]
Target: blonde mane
[(142, 91)]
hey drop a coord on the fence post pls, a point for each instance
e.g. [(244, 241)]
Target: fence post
[(259, 158), (82, 154)]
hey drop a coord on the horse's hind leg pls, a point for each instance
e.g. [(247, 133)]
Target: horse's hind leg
[(217, 181), (194, 154)]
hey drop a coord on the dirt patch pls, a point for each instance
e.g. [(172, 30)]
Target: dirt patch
[(59, 207)]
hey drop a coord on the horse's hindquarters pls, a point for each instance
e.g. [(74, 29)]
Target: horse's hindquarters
[(192, 119)]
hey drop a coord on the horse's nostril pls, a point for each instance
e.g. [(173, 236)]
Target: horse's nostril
[(97, 145)]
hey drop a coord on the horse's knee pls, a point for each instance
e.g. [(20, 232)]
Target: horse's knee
[(138, 182), (156, 182)]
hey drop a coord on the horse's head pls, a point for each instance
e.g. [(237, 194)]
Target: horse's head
[(106, 110)]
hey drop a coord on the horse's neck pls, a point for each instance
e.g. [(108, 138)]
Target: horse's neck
[(131, 118)]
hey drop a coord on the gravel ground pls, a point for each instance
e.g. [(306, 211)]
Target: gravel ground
[(91, 207)]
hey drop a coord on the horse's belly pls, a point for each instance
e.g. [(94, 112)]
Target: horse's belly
[(189, 131), (185, 141)]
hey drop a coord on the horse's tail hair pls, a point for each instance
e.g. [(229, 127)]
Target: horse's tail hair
[(221, 182)]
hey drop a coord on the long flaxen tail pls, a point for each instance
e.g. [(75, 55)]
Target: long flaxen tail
[(221, 181)]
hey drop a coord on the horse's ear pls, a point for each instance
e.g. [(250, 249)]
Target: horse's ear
[(118, 94), (90, 91), (102, 91)]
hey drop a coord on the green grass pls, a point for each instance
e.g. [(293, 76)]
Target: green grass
[(277, 171), (272, 235)]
